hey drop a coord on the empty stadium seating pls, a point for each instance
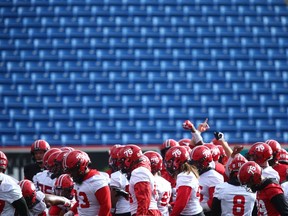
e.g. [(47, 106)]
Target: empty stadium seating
[(104, 72)]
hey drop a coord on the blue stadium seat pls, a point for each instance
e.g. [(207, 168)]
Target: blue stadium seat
[(26, 127), (123, 126), (38, 114), (90, 139), (131, 138), (10, 140), (7, 127), (58, 113), (70, 139), (64, 126), (42, 126)]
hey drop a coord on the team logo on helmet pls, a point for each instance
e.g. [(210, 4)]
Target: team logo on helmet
[(260, 148), (176, 153), (251, 170), (206, 153)]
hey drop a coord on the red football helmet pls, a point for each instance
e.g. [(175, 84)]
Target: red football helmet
[(283, 156), (63, 186), (67, 148), (39, 145), (223, 157), (276, 147), (113, 157), (260, 152), (129, 155), (28, 192), (76, 159), (214, 151), (250, 174), (51, 162), (58, 163), (175, 157), (47, 155), (201, 157), (237, 162), (156, 161), (3, 161), (167, 144), (184, 142)]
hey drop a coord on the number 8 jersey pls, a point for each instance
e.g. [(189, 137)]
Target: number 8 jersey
[(235, 200)]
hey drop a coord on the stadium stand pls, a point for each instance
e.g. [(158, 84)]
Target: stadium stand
[(104, 72)]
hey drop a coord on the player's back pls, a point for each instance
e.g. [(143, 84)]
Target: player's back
[(10, 191), (235, 200)]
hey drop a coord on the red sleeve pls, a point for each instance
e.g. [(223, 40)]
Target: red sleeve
[(182, 198), (104, 199), (143, 195), (54, 210), (211, 193)]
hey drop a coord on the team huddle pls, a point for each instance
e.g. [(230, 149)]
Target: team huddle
[(186, 177)]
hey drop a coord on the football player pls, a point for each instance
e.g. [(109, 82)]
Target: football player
[(163, 186), (270, 197), (38, 149), (143, 193), (187, 198), (92, 192)]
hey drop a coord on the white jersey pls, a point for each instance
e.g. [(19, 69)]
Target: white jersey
[(40, 207), (193, 206), (44, 182), (10, 191), (85, 194), (208, 179), (142, 174), (284, 186), (235, 200), (105, 175), (164, 190), (119, 180), (269, 172)]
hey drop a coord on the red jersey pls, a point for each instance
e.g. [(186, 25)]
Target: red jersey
[(221, 169), (264, 196), (281, 169)]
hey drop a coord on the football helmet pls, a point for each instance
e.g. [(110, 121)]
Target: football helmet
[(113, 157), (67, 148), (249, 175), (276, 147), (167, 144), (214, 151), (237, 162), (175, 157), (129, 156), (29, 192), (51, 162), (283, 156), (156, 161), (3, 161), (260, 152), (47, 155), (184, 142), (201, 157), (63, 186), (39, 145), (76, 164), (58, 163), (223, 157)]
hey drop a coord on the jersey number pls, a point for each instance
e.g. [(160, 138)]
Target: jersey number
[(238, 205), (85, 200)]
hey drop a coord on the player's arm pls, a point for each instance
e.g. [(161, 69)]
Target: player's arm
[(197, 138), (21, 207), (52, 200), (143, 196), (183, 196), (104, 198), (280, 204), (216, 207)]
